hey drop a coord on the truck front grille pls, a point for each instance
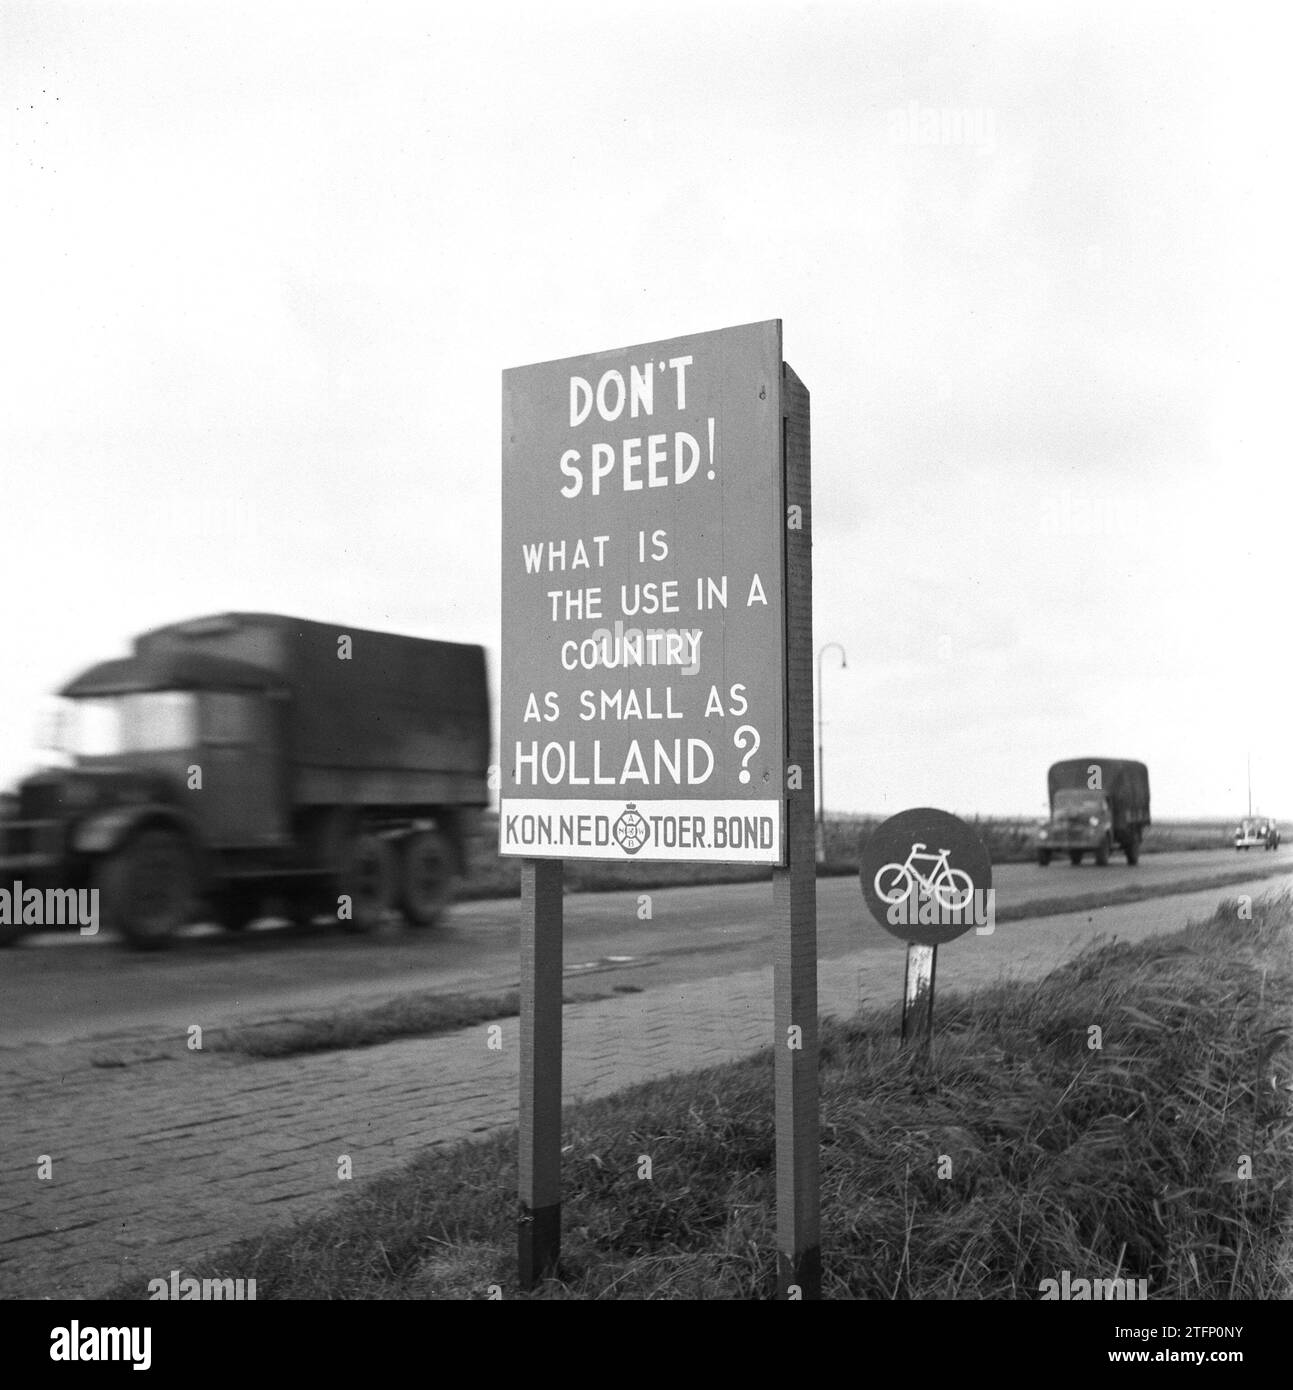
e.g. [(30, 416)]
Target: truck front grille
[(24, 841)]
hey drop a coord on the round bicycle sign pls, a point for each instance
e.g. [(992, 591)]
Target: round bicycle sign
[(927, 877)]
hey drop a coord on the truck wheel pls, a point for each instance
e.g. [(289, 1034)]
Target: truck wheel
[(1133, 850), (1043, 857), (1102, 852), (147, 888), (237, 908), (426, 877), (369, 879), (1075, 856), (302, 907)]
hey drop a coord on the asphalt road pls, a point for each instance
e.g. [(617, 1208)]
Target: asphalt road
[(57, 988)]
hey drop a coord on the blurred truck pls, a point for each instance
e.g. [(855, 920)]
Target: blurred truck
[(249, 756), (1096, 803)]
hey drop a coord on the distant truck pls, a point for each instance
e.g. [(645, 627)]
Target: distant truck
[(250, 756), (1096, 803)]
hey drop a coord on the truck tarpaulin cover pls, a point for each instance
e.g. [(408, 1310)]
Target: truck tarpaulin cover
[(1124, 782), (404, 703)]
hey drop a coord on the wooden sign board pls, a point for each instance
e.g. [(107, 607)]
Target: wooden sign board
[(643, 664)]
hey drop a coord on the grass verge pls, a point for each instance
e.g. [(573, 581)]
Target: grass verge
[(1125, 1161)]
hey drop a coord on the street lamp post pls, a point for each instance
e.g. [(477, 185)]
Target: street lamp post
[(821, 761)]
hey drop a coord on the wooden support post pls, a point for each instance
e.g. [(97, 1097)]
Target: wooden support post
[(539, 1148), (918, 996), (794, 968)]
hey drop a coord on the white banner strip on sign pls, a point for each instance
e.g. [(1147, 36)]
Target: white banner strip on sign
[(723, 832)]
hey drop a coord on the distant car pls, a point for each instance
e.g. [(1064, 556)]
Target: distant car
[(1256, 830)]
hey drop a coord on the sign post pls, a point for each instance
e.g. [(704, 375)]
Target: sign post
[(794, 967), (539, 1145), (918, 994), (657, 687)]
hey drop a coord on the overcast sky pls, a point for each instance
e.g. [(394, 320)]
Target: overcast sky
[(264, 264)]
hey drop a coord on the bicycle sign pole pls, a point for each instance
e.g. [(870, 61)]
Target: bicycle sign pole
[(918, 994), (926, 878)]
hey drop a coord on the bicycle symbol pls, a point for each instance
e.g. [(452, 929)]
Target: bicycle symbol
[(952, 887)]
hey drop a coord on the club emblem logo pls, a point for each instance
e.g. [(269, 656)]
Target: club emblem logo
[(630, 830)]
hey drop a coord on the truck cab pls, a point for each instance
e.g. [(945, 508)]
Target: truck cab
[(1081, 822), (178, 750), (204, 729)]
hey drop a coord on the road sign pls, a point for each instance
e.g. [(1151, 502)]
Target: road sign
[(657, 692), (927, 877), (643, 654)]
